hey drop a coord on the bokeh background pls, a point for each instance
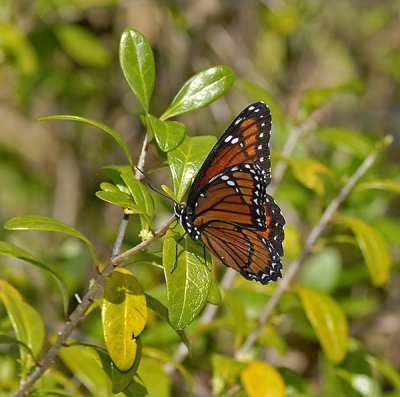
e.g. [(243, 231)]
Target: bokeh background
[(61, 57)]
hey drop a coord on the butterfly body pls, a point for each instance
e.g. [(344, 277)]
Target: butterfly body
[(228, 208)]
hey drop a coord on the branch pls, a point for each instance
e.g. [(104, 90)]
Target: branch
[(79, 311), (313, 236), (94, 291)]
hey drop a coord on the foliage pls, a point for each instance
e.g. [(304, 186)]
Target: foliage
[(324, 333)]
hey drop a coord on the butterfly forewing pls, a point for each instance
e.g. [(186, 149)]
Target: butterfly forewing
[(236, 195), (246, 140)]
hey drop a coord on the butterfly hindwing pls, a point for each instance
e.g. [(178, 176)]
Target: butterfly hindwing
[(247, 251)]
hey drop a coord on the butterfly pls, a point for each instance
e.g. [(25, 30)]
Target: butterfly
[(228, 209)]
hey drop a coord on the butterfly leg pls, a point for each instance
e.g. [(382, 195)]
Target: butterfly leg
[(176, 251), (205, 257)]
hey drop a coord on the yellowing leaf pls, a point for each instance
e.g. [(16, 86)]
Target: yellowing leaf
[(26, 322), (373, 247), (308, 172), (124, 315), (261, 380), (328, 322)]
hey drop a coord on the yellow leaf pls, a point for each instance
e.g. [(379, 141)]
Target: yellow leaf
[(261, 380), (373, 247), (327, 320), (124, 315)]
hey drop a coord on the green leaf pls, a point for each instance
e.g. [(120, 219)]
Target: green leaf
[(328, 322), (85, 364), (225, 373), (186, 160), (381, 184), (154, 377), (103, 127), (162, 311), (26, 322), (124, 316), (309, 172), (119, 198), (260, 379), (137, 63), (169, 192), (327, 262), (9, 340), (168, 134), (373, 247), (82, 45), (358, 144), (10, 249), (316, 97), (142, 197), (200, 90), (160, 355), (39, 222), (386, 369), (188, 285)]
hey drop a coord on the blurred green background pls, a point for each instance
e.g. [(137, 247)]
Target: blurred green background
[(61, 57)]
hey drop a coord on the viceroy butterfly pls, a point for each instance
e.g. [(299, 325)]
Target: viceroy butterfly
[(228, 208)]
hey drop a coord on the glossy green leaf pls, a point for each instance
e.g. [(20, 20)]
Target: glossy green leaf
[(357, 143), (200, 90), (387, 369), (26, 322), (141, 195), (225, 373), (119, 198), (169, 192), (9, 340), (168, 134), (373, 247), (160, 355), (156, 380), (309, 172), (114, 172), (103, 127), (384, 184), (39, 222), (188, 285), (259, 379), (137, 63), (84, 363), (328, 322), (316, 97), (162, 311), (124, 316), (186, 160), (13, 250), (82, 45)]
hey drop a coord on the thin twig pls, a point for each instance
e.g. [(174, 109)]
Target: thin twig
[(313, 236), (79, 311)]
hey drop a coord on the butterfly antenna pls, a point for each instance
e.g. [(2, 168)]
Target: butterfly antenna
[(153, 188)]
